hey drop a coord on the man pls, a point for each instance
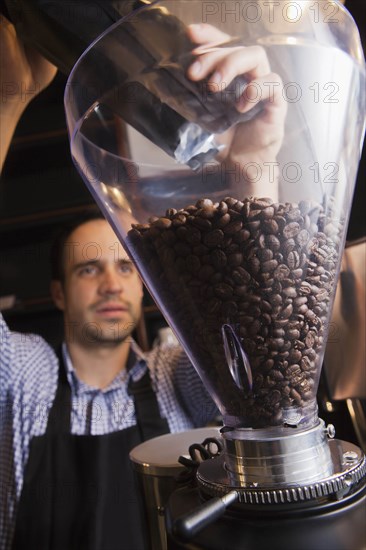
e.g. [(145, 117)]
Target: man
[(77, 414)]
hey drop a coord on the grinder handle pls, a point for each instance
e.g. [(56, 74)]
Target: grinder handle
[(188, 525)]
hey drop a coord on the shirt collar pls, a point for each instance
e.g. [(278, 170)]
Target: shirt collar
[(136, 368)]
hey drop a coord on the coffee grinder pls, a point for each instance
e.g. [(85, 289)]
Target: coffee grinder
[(236, 220)]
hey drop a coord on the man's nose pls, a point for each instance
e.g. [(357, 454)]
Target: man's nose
[(111, 282)]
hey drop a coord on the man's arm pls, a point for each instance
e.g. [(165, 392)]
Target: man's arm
[(22, 69)]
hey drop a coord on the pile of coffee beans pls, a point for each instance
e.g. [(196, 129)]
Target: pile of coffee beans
[(266, 269)]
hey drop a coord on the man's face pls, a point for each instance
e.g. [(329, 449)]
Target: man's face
[(102, 292)]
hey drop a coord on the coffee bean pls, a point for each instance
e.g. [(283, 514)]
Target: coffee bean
[(267, 212), (266, 306), (179, 219), (279, 333), (305, 288), (275, 299), (288, 246), (273, 243), (234, 214), (254, 265), (305, 363), (295, 355), (230, 201), (281, 272), (213, 238), (169, 237), (303, 309), (235, 259), (233, 227), (291, 230), (276, 343), (207, 212), (276, 375), (253, 227), (286, 312), (303, 237), (274, 397), (222, 208), (218, 258), (300, 300), (241, 236), (202, 223), (293, 259), (246, 319), (296, 396), (182, 249), (293, 212), (254, 214), (204, 203), (226, 242), (238, 206), (231, 248), (259, 203), (223, 221), (266, 318), (254, 327), (206, 272), (215, 278), (269, 265), (214, 305), (293, 370), (310, 339), (193, 235), (229, 309), (265, 254), (200, 250), (241, 290), (193, 263), (322, 295), (223, 291), (311, 353), (268, 365), (297, 274), (270, 227), (289, 292)]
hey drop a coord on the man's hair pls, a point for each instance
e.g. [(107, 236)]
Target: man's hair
[(62, 237)]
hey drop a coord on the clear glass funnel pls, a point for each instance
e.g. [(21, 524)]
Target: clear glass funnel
[(231, 187)]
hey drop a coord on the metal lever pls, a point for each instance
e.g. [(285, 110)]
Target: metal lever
[(237, 359), (190, 524)]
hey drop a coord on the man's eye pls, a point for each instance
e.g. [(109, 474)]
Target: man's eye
[(88, 270), (126, 267)]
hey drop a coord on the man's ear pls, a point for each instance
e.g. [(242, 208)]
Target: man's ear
[(57, 294)]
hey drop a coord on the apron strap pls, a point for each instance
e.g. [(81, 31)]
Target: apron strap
[(149, 421), (59, 418)]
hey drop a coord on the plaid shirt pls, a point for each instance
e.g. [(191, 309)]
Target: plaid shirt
[(28, 381)]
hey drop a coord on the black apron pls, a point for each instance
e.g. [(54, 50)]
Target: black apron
[(79, 492)]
